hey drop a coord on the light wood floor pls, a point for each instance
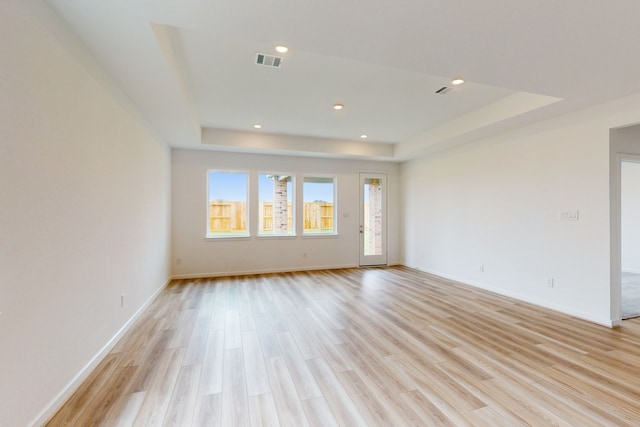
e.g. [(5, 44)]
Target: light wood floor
[(358, 347)]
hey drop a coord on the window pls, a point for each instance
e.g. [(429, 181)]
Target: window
[(319, 206), (275, 211), (227, 207), (373, 215)]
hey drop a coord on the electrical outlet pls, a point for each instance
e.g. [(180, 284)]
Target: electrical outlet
[(304, 255), (122, 300), (482, 268), (549, 282), (178, 261)]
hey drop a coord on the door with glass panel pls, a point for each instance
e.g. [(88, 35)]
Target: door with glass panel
[(373, 219)]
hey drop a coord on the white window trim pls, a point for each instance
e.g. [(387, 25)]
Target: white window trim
[(334, 233), (244, 236), (294, 214)]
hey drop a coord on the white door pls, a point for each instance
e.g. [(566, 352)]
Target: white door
[(373, 219)]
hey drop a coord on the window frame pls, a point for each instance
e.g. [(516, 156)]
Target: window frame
[(334, 181), (247, 195), (293, 232)]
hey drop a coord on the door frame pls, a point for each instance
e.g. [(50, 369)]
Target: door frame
[(623, 146), (382, 259), (616, 258)]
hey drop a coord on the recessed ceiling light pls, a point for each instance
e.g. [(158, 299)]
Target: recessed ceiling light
[(257, 126), (282, 49), (364, 136), (457, 81), (338, 106)]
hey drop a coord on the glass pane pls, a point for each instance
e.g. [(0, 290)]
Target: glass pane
[(227, 204), (275, 212), (318, 205), (372, 216)]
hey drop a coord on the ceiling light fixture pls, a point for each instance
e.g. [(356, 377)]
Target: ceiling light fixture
[(338, 106), (282, 49), (364, 136), (257, 126), (457, 81)]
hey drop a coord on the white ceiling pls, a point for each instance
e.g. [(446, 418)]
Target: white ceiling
[(189, 67)]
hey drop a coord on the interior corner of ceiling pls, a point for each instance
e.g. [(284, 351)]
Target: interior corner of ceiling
[(510, 106), (168, 40), (527, 101)]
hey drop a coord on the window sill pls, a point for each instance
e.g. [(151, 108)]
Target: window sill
[(321, 236), (225, 238), (276, 237)]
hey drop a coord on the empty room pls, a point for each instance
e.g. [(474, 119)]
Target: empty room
[(335, 213)]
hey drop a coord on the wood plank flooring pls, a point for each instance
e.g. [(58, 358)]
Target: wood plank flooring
[(358, 347)]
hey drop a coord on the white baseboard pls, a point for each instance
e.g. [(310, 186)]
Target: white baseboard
[(73, 385), (261, 271), (84, 373), (524, 298), (630, 270)]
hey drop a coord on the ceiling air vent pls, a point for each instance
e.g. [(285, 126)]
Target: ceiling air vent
[(268, 60), (444, 90)]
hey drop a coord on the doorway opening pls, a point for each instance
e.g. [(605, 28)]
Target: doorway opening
[(624, 151), (629, 238)]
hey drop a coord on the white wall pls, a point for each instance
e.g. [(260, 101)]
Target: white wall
[(200, 257), (84, 213), (496, 203), (630, 218)]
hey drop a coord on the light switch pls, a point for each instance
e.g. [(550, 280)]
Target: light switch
[(569, 215)]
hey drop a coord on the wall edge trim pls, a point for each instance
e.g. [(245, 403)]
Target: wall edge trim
[(260, 271), (568, 311), (56, 403)]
